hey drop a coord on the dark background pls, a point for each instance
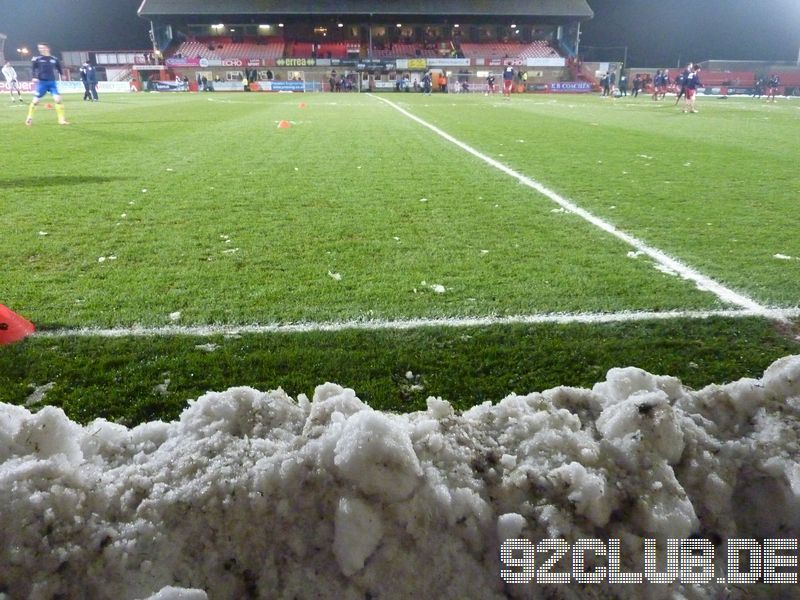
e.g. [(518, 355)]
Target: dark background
[(73, 25), (655, 32), (659, 32)]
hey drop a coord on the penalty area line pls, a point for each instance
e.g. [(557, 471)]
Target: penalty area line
[(702, 282), (380, 325)]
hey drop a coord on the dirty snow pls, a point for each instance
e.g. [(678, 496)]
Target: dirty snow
[(210, 347), (39, 392), (253, 494), (667, 271), (162, 388)]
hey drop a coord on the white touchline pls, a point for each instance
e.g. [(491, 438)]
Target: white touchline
[(375, 325), (704, 283)]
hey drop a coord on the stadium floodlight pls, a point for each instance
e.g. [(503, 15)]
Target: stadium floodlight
[(264, 26), (513, 26), (280, 24), (218, 26), (23, 51), (340, 25), (399, 24)]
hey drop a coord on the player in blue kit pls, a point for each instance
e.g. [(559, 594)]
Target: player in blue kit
[(43, 70)]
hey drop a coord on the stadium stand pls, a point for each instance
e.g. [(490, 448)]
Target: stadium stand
[(539, 49), (305, 39), (403, 50), (224, 49), (340, 50)]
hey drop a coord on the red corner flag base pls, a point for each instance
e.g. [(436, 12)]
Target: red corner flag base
[(13, 327)]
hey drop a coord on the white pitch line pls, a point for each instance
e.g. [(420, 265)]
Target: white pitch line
[(377, 325), (703, 282)]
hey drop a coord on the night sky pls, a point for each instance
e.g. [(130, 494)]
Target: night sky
[(656, 32)]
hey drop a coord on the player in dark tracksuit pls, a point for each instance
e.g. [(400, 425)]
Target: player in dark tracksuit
[(638, 82), (89, 79), (773, 84), (427, 83), (489, 84), (664, 84), (691, 84), (43, 69), (656, 84), (679, 82), (508, 80)]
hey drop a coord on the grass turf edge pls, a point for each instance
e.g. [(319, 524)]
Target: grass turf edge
[(132, 380)]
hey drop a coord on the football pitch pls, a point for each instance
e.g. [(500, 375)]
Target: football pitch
[(460, 246)]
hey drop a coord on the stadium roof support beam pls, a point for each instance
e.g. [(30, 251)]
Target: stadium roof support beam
[(572, 9)]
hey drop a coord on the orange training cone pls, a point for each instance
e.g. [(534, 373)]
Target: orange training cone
[(302, 105), (13, 327), (284, 125)]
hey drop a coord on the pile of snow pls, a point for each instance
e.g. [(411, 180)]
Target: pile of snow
[(253, 494)]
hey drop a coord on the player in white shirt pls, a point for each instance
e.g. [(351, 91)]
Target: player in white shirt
[(11, 79)]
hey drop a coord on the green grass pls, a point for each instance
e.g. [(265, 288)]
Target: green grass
[(242, 222), (124, 379), (713, 189), (339, 192)]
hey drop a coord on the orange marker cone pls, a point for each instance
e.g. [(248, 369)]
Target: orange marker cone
[(13, 327), (302, 105), (48, 106), (284, 125)]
